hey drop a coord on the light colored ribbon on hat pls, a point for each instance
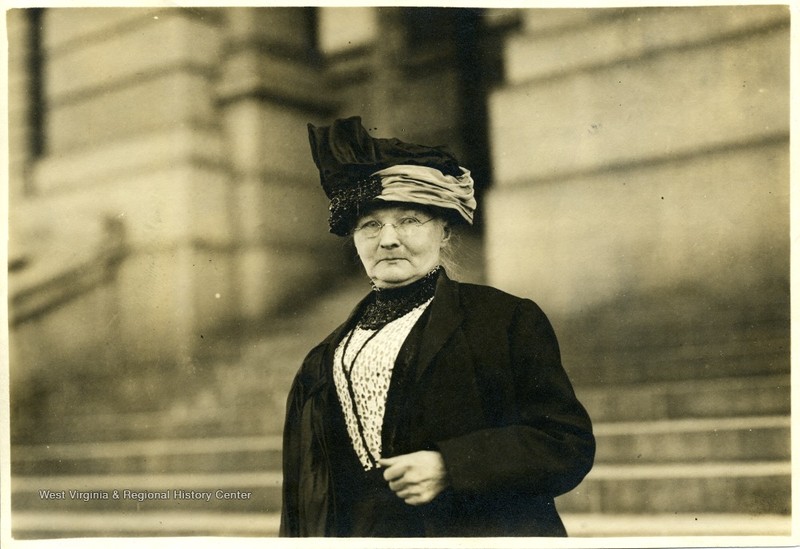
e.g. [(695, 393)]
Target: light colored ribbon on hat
[(429, 187)]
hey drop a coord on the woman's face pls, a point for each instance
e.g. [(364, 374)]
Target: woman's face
[(395, 258)]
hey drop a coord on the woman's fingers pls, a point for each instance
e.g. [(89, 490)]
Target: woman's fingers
[(417, 497), (417, 478), (394, 470)]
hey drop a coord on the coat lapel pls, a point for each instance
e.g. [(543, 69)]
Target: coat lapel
[(445, 317)]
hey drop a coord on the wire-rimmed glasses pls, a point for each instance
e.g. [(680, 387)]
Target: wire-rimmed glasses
[(404, 226)]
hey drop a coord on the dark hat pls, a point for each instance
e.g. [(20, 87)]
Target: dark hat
[(349, 160)]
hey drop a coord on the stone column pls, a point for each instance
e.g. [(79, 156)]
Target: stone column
[(24, 88), (269, 89), (389, 56)]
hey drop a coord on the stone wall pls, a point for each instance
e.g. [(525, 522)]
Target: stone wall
[(639, 149), (160, 192)]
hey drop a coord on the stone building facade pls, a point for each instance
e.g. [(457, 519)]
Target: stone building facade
[(633, 179)]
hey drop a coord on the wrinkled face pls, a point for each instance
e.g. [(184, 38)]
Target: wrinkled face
[(405, 248)]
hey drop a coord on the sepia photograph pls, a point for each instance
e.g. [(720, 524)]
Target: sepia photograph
[(398, 276)]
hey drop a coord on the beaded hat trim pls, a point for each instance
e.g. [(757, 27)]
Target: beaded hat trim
[(346, 202)]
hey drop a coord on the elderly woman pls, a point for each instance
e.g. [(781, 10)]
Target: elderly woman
[(437, 408)]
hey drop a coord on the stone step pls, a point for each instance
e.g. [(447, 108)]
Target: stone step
[(84, 524), (676, 524), (257, 491), (677, 333), (718, 487), (35, 524), (706, 398), (677, 316), (642, 363), (650, 325), (674, 399), (268, 365), (757, 438), (228, 454), (232, 421)]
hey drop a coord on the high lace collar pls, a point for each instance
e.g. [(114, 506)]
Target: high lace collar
[(387, 304)]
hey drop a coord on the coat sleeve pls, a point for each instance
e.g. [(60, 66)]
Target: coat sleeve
[(290, 519), (547, 447), (304, 500)]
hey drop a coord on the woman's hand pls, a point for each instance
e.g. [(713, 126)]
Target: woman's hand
[(417, 478)]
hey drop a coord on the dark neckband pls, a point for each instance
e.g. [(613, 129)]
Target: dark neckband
[(388, 304)]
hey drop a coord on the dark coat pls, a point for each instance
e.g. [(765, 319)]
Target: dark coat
[(486, 389)]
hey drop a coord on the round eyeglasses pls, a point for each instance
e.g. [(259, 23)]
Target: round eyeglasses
[(404, 226)]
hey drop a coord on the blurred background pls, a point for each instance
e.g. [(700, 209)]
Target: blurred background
[(170, 265)]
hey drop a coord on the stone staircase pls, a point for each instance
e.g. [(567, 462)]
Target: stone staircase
[(677, 455), (216, 429), (693, 476), (690, 396), (241, 476)]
